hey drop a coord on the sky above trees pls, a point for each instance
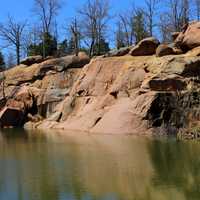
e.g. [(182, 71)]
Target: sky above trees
[(125, 23), (21, 9)]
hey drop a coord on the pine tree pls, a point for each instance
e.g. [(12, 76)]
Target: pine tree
[(140, 30), (47, 47)]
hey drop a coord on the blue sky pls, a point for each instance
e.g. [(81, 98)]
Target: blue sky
[(22, 10)]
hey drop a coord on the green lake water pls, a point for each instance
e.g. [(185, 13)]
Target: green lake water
[(52, 166)]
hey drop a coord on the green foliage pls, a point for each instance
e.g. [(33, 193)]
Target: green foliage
[(140, 30), (47, 47), (66, 47), (101, 48)]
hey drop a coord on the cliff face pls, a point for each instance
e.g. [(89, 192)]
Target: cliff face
[(131, 95), (115, 94)]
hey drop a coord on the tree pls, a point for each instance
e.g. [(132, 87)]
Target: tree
[(49, 45), (151, 6), (2, 62), (140, 31), (165, 29), (95, 14), (12, 33), (76, 35), (174, 18), (185, 12), (47, 11), (178, 14), (31, 39), (102, 47), (125, 23), (62, 48), (131, 27), (120, 42)]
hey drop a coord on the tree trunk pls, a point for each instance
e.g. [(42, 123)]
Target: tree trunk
[(91, 49), (18, 54)]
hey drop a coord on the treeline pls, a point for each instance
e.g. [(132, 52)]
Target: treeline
[(93, 26)]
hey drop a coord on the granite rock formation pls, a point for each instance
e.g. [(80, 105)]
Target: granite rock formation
[(120, 93)]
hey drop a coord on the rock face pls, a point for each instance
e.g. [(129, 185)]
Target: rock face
[(145, 47), (130, 95), (108, 95), (189, 38), (38, 88)]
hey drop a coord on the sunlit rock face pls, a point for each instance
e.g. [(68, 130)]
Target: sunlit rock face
[(119, 93), (43, 84), (189, 38), (131, 95)]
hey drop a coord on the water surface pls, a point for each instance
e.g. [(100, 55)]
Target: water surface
[(37, 166)]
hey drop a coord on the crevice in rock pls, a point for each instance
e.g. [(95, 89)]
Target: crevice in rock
[(80, 92), (97, 121), (114, 94), (87, 101)]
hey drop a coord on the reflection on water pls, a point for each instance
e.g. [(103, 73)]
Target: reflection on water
[(36, 166)]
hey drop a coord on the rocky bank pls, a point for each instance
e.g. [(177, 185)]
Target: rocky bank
[(150, 88)]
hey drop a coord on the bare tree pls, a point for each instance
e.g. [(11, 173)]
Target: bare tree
[(76, 34), (178, 14), (32, 37), (165, 29), (185, 11), (151, 7), (126, 23), (12, 33), (139, 25), (120, 41), (95, 14), (132, 27), (47, 11), (175, 17)]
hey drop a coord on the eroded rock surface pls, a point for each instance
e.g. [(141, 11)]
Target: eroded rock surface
[(130, 95)]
